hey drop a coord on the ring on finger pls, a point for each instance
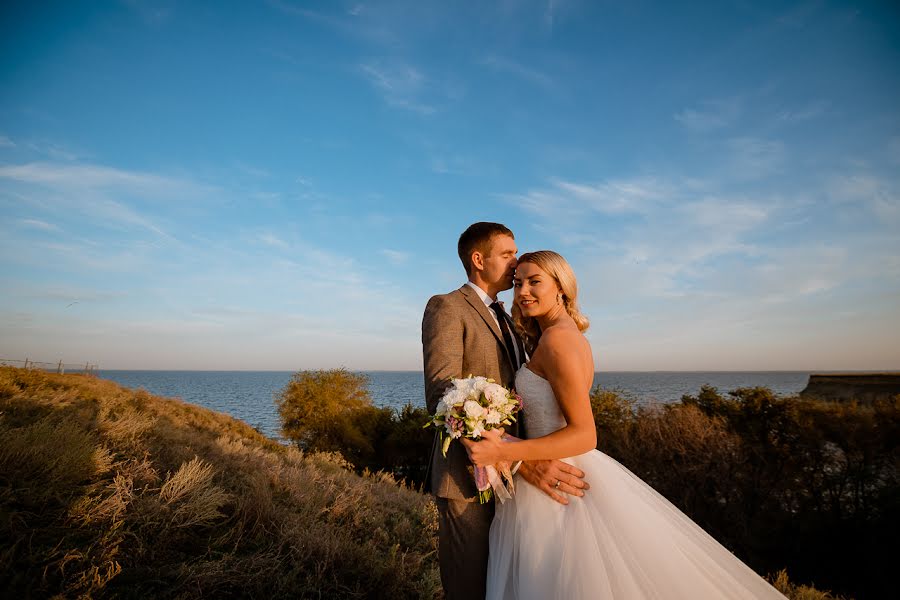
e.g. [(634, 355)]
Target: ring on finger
[(556, 487)]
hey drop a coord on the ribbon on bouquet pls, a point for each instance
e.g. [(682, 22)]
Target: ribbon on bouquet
[(497, 479)]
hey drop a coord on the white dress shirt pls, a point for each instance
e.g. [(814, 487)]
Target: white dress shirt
[(487, 302)]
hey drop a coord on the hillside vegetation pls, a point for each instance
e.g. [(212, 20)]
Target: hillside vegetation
[(110, 492), (787, 484), (783, 482), (107, 492)]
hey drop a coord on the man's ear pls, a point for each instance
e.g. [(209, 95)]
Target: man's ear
[(477, 260)]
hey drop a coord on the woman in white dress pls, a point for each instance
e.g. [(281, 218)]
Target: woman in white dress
[(620, 540)]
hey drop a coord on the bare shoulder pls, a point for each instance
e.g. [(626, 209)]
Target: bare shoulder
[(565, 349), (563, 338)]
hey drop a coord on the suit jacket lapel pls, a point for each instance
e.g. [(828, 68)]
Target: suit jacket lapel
[(475, 301)]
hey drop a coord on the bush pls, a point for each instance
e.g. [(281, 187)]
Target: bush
[(332, 411), (778, 480), (319, 410)]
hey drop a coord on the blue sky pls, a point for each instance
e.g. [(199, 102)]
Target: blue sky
[(280, 185)]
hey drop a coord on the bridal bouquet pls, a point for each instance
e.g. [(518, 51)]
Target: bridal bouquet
[(469, 407)]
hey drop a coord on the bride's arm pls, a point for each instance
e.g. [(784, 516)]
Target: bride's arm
[(566, 372)]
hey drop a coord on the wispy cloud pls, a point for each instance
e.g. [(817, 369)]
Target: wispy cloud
[(456, 165), (53, 150), (153, 12), (712, 227), (79, 257), (102, 196), (395, 256), (711, 115), (813, 110), (572, 199), (617, 196), (270, 239), (753, 157), (548, 16), (798, 15), (880, 195), (356, 22), (38, 224), (798, 271), (727, 214), (253, 171), (65, 294), (5, 142), (893, 150), (83, 176), (552, 14), (659, 236), (517, 69), (400, 85)]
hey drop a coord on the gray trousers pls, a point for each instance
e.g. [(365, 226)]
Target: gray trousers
[(463, 533)]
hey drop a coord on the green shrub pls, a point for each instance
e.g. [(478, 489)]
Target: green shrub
[(332, 411), (319, 410)]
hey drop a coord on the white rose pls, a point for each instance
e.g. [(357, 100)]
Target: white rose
[(473, 409), (492, 417), (495, 394), (453, 398), (464, 383)]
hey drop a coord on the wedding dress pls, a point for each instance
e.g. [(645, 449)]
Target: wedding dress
[(621, 541)]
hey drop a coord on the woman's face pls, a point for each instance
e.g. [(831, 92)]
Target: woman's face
[(536, 292)]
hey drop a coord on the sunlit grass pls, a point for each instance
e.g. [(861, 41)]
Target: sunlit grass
[(107, 491)]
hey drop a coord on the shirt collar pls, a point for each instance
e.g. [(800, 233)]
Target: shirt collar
[(481, 294)]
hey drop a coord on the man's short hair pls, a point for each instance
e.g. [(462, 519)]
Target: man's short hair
[(478, 236)]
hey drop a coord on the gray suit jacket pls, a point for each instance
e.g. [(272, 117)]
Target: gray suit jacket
[(459, 338)]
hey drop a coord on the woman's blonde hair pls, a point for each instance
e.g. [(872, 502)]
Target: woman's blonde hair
[(558, 268)]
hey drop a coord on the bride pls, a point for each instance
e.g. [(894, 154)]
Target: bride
[(621, 540)]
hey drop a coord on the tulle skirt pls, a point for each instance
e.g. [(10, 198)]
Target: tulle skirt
[(621, 541)]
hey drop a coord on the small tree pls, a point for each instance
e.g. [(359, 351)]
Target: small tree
[(332, 411), (319, 410)]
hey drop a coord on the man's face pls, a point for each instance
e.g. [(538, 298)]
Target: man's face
[(500, 262)]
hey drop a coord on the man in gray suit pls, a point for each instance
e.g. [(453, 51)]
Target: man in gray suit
[(467, 332)]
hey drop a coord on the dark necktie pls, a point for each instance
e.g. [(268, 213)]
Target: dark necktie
[(507, 334)]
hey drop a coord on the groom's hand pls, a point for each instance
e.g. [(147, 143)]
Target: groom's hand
[(544, 475)]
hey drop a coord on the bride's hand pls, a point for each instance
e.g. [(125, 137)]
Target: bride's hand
[(486, 451)]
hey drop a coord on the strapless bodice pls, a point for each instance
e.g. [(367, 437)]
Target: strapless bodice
[(540, 409)]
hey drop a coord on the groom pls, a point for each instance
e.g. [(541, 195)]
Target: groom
[(467, 332)]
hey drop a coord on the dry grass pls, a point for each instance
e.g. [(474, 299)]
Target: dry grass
[(799, 592), (109, 492)]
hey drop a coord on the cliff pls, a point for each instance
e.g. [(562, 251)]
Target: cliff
[(865, 388)]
